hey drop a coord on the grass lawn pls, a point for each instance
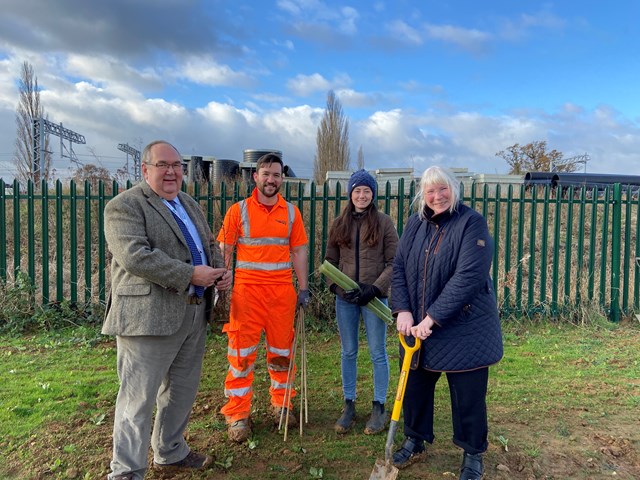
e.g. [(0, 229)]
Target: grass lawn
[(564, 403)]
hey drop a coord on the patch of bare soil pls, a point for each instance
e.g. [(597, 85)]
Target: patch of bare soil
[(608, 448), (605, 448)]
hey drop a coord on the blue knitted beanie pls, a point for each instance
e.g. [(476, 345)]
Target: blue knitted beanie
[(362, 178)]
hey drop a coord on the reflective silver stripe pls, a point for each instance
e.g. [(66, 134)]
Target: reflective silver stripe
[(283, 352), (264, 241), (236, 392), (277, 385), (292, 216), (246, 239), (243, 351), (241, 373), (263, 266), (246, 226), (244, 216)]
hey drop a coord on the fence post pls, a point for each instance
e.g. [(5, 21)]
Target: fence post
[(616, 229), (44, 199), (73, 241), (59, 244), (102, 250), (87, 242), (31, 234), (3, 232)]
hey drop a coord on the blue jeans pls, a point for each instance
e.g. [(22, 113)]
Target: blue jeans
[(348, 316)]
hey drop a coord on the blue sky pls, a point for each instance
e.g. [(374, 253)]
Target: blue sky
[(421, 82)]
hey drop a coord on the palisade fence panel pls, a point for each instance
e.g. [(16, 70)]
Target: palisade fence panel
[(557, 253)]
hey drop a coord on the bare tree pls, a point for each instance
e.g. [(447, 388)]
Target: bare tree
[(93, 173), (360, 158), (29, 108), (332, 140), (534, 157)]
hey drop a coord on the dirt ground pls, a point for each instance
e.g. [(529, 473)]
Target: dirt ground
[(608, 448)]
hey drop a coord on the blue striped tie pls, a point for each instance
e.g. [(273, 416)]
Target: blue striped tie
[(195, 254)]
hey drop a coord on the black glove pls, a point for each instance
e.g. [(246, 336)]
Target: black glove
[(352, 296), (303, 298), (336, 290), (367, 293)]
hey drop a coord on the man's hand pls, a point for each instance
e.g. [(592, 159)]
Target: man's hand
[(205, 276), (223, 282), (303, 299)]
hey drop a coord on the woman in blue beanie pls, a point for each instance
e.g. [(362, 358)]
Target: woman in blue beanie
[(362, 244)]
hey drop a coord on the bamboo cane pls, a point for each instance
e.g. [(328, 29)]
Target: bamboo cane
[(290, 380)]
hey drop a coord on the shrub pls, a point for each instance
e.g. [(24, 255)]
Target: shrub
[(19, 313), (17, 304)]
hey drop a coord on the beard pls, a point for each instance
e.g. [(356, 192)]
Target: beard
[(268, 194)]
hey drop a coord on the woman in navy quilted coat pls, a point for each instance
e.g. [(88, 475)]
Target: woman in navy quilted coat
[(442, 293)]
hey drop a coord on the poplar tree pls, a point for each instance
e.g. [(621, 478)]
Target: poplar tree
[(332, 140)]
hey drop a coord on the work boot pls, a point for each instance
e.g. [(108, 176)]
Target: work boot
[(411, 451), (240, 430), (471, 468), (277, 413), (378, 419), (194, 460), (348, 418)]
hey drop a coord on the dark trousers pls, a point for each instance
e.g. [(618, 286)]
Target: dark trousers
[(468, 407)]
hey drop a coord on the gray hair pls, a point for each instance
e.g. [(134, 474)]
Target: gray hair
[(437, 175), (146, 153)]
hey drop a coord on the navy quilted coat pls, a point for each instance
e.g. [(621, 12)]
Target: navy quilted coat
[(442, 268)]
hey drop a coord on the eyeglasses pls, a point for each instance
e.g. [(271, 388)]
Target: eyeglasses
[(166, 166)]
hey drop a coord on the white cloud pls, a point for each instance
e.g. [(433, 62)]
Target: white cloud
[(469, 39), (520, 27), (347, 24), (206, 71), (351, 98), (304, 85), (315, 19), (286, 44), (403, 32)]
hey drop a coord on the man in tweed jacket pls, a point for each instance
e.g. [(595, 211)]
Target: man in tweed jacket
[(158, 313)]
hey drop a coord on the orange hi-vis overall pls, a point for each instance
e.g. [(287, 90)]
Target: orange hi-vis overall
[(263, 297)]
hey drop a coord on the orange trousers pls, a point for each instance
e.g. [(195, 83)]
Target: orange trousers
[(254, 309)]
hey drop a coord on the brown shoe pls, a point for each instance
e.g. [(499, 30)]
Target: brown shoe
[(277, 413), (240, 430), (194, 461)]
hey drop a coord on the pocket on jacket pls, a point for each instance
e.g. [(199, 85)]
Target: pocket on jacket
[(134, 289)]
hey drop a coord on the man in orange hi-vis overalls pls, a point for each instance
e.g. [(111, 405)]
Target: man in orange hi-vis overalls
[(268, 235)]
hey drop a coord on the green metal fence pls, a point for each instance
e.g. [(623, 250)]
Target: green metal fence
[(556, 252)]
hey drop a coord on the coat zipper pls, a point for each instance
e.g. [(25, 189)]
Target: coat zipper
[(437, 236)]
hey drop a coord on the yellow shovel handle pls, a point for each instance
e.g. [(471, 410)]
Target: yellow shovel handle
[(404, 371)]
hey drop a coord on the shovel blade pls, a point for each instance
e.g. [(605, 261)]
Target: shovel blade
[(384, 471)]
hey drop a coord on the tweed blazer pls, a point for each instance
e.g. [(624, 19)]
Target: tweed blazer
[(151, 264)]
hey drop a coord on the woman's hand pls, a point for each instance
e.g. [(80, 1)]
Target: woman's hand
[(404, 323), (423, 329)]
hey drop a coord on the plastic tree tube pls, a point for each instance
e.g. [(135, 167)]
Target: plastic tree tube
[(343, 281)]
